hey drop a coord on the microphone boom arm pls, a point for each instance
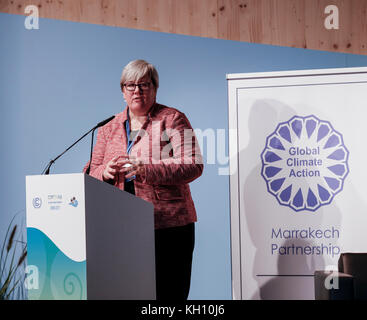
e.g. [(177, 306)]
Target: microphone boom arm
[(102, 123), (47, 169)]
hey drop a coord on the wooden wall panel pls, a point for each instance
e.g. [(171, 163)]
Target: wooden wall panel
[(293, 23), (125, 14)]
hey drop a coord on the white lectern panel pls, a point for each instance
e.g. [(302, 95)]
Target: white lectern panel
[(56, 207)]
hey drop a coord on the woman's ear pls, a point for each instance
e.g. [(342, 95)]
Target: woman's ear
[(123, 94)]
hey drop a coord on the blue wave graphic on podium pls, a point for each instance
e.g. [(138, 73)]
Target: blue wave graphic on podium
[(59, 277)]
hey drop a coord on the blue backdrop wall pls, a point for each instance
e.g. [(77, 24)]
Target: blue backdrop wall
[(60, 80)]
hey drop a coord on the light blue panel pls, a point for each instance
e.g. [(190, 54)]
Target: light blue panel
[(60, 278), (60, 80)]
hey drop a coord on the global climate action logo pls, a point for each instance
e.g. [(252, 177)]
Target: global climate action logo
[(304, 163)]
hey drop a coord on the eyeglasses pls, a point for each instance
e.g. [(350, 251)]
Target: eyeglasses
[(142, 86)]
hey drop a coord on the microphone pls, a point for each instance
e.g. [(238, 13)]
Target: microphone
[(100, 124)]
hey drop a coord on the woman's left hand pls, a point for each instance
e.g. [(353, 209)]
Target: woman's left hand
[(131, 166)]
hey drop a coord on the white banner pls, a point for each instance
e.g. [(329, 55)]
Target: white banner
[(297, 178)]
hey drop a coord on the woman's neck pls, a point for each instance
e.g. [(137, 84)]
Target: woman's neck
[(136, 121)]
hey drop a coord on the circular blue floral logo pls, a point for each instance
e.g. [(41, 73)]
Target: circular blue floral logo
[(304, 163)]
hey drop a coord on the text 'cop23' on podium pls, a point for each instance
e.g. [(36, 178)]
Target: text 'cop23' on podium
[(88, 240)]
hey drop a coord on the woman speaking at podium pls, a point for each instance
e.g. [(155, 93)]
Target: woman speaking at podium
[(150, 150)]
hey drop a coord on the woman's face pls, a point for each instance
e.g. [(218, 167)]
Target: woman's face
[(140, 100)]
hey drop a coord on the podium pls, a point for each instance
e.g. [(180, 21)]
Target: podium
[(87, 239)]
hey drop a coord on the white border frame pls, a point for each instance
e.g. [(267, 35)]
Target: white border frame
[(234, 82)]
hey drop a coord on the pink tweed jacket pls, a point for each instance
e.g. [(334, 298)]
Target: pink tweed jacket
[(168, 147)]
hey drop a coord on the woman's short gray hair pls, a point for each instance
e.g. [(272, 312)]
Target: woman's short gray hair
[(138, 69)]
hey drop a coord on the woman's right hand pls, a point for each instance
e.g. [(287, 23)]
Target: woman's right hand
[(111, 169)]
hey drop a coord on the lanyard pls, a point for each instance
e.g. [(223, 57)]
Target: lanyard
[(130, 143)]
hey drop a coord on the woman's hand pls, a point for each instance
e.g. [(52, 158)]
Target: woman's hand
[(131, 166), (112, 168)]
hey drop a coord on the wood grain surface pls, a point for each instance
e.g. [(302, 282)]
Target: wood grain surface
[(291, 23)]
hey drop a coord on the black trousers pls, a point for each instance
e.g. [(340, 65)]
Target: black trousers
[(173, 258)]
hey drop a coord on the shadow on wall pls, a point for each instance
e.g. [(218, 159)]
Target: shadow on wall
[(295, 280)]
